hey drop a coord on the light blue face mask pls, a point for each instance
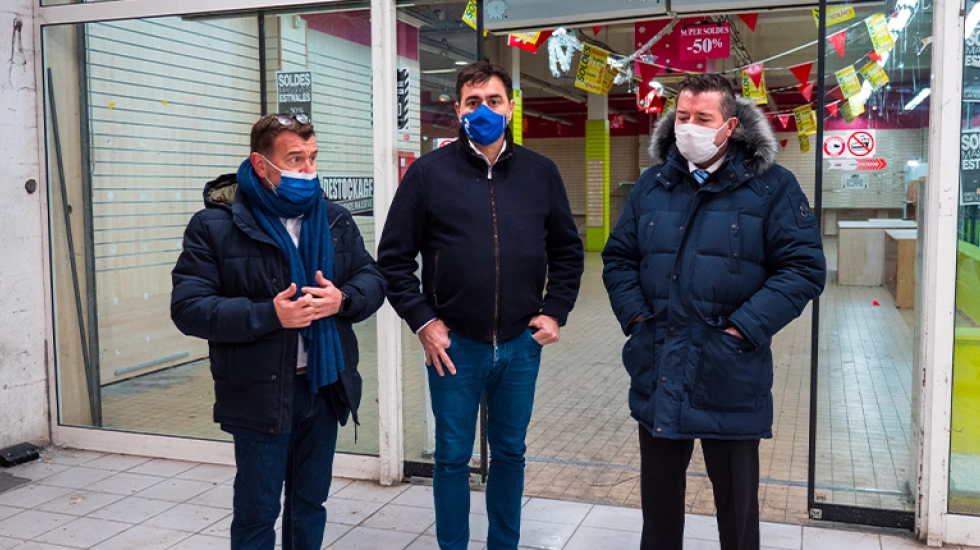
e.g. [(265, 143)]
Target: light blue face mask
[(296, 187), (484, 125)]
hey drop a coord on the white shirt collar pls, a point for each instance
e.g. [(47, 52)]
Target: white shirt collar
[(484, 157), (711, 169)]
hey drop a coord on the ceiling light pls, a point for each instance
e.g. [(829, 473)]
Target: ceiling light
[(918, 99), (444, 97), (462, 63)]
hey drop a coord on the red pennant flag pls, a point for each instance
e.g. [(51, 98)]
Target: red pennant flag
[(876, 303), (833, 108), (755, 73), (596, 29), (802, 72), (874, 56), (784, 121), (750, 20), (837, 94), (783, 143), (806, 90), (647, 72), (838, 41)]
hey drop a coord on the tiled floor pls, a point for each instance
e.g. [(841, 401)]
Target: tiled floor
[(79, 499), (582, 443)]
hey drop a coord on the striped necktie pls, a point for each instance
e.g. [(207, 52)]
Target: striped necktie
[(700, 176)]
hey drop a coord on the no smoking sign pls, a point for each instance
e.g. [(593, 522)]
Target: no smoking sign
[(856, 144)]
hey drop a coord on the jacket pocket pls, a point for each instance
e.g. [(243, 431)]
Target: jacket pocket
[(732, 374), (638, 358)]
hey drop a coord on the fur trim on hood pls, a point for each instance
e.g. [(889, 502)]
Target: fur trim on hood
[(754, 133)]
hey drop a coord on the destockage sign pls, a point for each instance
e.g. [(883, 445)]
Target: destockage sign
[(353, 193)]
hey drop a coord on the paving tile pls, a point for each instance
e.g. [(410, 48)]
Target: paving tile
[(187, 517), (333, 532), (144, 538), (408, 519), (220, 528), (83, 532), (7, 511), (176, 490), (31, 495), (571, 513), (350, 512), (124, 483), (6, 543), (77, 477), (133, 510), (116, 463), (889, 542), (700, 527), (699, 544), (591, 538), (221, 496), (162, 467), (31, 523), (429, 542), (70, 457), (781, 535), (37, 470), (34, 545), (479, 527), (614, 517), (816, 538), (79, 503), (202, 542), (419, 496), (366, 538), (545, 536), (365, 490), (336, 484), (209, 472)]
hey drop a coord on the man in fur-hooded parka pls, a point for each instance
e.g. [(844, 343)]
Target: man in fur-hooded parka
[(701, 275)]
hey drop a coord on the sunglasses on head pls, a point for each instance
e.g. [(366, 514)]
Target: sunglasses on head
[(288, 120)]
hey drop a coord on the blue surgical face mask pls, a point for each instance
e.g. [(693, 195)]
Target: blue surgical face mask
[(484, 125), (295, 187)]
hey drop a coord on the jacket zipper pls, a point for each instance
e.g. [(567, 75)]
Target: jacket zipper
[(496, 258), (435, 279)]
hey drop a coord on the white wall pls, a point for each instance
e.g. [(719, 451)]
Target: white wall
[(23, 378)]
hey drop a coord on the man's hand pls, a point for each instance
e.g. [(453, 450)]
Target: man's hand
[(293, 314), (435, 342), (734, 332), (547, 332), (325, 299)]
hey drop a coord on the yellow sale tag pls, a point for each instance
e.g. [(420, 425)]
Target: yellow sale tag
[(851, 110), (850, 86), (754, 94), (804, 144), (873, 73), (834, 15), (469, 15), (806, 122), (592, 70), (881, 37)]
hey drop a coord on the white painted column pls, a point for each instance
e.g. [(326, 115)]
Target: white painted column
[(598, 107), (938, 236), (384, 69), (24, 297)]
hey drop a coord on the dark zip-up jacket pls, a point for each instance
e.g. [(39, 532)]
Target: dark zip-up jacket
[(223, 285), (499, 245)]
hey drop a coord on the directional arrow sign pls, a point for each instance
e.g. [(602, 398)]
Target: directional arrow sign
[(857, 164)]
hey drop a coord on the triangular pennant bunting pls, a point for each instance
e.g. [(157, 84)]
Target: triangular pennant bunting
[(832, 108), (874, 56), (755, 73), (647, 72), (596, 29), (838, 41), (750, 20), (784, 121), (783, 143), (806, 90), (802, 72), (837, 94)]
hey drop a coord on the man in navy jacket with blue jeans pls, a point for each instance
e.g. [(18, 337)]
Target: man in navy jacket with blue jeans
[(716, 251), (501, 266)]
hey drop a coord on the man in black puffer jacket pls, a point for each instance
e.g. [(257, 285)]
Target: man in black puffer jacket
[(491, 233), (273, 275), (716, 251)]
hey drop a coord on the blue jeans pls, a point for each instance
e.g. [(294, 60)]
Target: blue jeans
[(508, 375), (303, 460)]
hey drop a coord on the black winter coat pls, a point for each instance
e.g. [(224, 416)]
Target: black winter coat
[(742, 250), (223, 286), (490, 238)]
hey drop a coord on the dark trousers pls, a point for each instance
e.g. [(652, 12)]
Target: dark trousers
[(733, 467)]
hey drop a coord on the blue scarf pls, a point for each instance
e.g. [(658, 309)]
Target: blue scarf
[(325, 358)]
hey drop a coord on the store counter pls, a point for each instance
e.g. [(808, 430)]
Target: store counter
[(861, 249)]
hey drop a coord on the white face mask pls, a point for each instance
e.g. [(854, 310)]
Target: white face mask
[(697, 143)]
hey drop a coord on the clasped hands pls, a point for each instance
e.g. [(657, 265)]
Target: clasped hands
[(315, 303)]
